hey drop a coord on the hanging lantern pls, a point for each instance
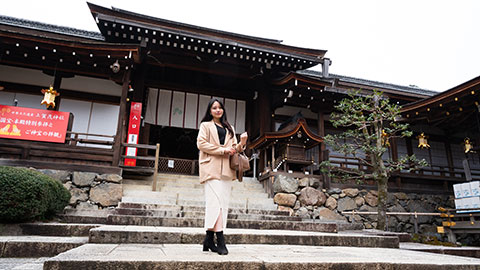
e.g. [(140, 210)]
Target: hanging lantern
[(385, 140), (468, 146), (49, 97), (422, 141)]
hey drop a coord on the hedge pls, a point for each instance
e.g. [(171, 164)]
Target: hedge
[(27, 195)]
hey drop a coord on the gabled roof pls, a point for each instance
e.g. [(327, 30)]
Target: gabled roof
[(128, 27), (291, 130)]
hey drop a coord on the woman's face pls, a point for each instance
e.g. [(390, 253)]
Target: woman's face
[(216, 110)]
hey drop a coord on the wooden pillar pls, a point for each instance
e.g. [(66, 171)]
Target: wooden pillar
[(448, 151), (122, 119), (264, 109), (57, 81), (394, 148), (273, 156), (321, 133)]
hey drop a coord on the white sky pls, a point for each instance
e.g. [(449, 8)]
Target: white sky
[(434, 44)]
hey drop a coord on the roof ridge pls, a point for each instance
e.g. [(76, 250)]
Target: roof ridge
[(66, 30), (269, 40)]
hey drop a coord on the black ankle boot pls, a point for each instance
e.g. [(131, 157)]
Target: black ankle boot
[(222, 249), (208, 243)]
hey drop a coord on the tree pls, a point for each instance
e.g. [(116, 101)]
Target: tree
[(370, 123)]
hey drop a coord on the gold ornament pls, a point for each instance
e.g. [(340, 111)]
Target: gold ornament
[(422, 141), (385, 140), (468, 145), (49, 97)]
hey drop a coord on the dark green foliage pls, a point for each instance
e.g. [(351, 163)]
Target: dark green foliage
[(28, 195)]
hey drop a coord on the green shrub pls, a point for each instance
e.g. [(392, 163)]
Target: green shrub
[(27, 195)]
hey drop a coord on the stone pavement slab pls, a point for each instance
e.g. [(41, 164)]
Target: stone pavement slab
[(22, 263), (37, 246), (181, 256)]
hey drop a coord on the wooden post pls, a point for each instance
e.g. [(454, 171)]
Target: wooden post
[(448, 150), (117, 146), (273, 156), (155, 168), (57, 81)]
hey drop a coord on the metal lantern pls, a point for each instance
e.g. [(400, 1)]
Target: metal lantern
[(468, 146), (422, 141), (49, 97), (385, 140)]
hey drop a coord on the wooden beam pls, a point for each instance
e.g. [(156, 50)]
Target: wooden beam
[(122, 119)]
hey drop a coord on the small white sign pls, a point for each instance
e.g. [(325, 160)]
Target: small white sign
[(171, 163), (307, 173)]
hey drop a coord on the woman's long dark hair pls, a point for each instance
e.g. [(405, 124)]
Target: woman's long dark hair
[(223, 120)]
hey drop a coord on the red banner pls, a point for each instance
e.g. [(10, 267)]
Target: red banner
[(32, 124), (133, 131)]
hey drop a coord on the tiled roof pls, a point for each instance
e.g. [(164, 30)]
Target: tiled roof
[(6, 20), (401, 88)]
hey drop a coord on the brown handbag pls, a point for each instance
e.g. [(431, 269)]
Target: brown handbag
[(239, 162)]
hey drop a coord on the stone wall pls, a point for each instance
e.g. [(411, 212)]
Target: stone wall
[(305, 198), (90, 191)]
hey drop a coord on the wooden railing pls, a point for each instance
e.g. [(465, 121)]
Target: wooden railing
[(151, 161), (74, 138)]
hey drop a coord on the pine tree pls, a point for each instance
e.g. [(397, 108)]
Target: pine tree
[(369, 122)]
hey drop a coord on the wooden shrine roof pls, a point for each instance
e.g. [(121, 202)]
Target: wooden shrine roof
[(454, 110), (68, 50), (300, 129), (118, 25)]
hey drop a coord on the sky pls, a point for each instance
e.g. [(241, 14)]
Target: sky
[(432, 44)]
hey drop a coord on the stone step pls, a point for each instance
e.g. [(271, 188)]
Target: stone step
[(473, 252), (37, 246), (185, 194), (231, 223), (114, 234), (200, 208), (57, 229), (198, 214), (248, 204), (252, 257)]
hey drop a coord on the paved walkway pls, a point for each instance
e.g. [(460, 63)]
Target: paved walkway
[(178, 256)]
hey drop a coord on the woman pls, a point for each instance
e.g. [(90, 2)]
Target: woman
[(217, 142)]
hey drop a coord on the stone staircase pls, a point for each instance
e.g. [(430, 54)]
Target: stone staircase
[(163, 230), (180, 203)]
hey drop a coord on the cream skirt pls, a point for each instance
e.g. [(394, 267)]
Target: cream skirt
[(217, 197)]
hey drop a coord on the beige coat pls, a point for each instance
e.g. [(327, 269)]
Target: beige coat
[(213, 163)]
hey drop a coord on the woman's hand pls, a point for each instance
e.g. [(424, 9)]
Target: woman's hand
[(243, 138), (230, 151)]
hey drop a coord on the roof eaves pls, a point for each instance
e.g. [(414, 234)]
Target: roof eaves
[(34, 25), (371, 83)]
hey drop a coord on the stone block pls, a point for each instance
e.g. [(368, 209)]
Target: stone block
[(311, 196), (350, 192), (346, 204), (284, 184), (62, 176), (359, 201), (303, 213), (371, 199), (303, 182), (331, 203), (326, 214), (78, 195), (106, 194), (285, 199), (83, 179), (114, 178)]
